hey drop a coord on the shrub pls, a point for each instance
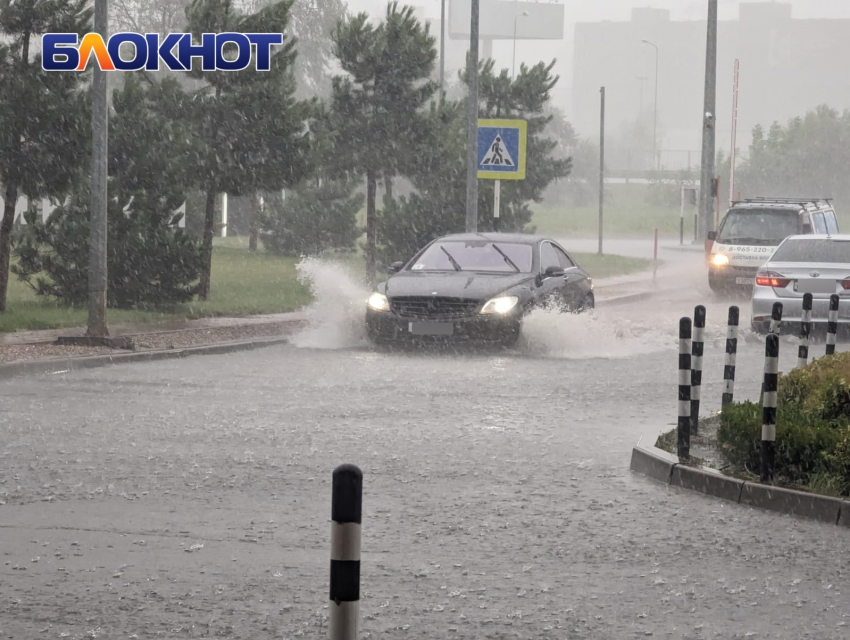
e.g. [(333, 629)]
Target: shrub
[(812, 428)]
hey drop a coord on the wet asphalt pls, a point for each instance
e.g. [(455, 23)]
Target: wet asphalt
[(191, 498)]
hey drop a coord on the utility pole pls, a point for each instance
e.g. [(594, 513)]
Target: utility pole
[(442, 46), (472, 137), (100, 138), (601, 164), (709, 119)]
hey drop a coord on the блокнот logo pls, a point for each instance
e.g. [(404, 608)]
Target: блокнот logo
[(66, 52)]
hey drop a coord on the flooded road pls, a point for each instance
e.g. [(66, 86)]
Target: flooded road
[(191, 498)]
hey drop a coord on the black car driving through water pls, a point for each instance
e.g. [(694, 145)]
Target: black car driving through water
[(475, 287)]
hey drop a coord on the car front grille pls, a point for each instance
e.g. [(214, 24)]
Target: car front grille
[(434, 307)]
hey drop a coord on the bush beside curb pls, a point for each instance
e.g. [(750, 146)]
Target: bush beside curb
[(654, 463)]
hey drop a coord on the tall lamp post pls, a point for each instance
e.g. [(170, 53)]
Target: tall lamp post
[(524, 14), (655, 125), (442, 44)]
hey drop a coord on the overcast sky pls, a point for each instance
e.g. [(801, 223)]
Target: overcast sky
[(593, 10)]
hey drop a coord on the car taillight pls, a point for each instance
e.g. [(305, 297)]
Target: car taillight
[(771, 279), (845, 284)]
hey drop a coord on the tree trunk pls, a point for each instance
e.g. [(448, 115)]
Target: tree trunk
[(209, 224), (10, 200), (253, 232), (371, 227), (388, 183)]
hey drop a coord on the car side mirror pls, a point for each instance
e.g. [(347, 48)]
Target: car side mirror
[(553, 272), (807, 228), (712, 235), (395, 267)]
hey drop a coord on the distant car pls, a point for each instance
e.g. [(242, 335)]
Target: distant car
[(816, 264), (751, 231), (476, 287)]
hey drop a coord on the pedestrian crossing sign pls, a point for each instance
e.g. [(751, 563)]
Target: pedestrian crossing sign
[(501, 149)]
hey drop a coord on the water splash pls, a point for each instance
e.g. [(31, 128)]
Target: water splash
[(336, 316), (594, 334)]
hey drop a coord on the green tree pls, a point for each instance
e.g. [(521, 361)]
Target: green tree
[(808, 157), (379, 99), (248, 126), (150, 260), (44, 126), (439, 204), (321, 212)]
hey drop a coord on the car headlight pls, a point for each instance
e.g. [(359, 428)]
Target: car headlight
[(500, 305), (378, 302), (720, 260)]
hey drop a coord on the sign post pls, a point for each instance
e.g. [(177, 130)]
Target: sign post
[(501, 155)]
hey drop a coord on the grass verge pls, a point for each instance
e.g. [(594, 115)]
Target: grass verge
[(626, 214), (243, 283)]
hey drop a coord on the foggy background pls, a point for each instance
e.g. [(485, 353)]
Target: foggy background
[(791, 55)]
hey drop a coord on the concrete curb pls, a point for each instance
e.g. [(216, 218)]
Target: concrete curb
[(625, 299), (62, 365), (654, 463)]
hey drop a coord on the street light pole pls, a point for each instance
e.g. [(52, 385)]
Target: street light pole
[(524, 14), (472, 125), (97, 281), (655, 125), (709, 119), (442, 45)]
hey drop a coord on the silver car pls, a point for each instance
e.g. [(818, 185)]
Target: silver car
[(816, 264)]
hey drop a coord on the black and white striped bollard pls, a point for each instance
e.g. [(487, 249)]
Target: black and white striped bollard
[(768, 422), (684, 428), (698, 348), (731, 356), (776, 318), (805, 331), (832, 324), (346, 513)]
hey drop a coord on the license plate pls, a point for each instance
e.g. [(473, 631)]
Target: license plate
[(816, 286), (431, 328), (744, 280)]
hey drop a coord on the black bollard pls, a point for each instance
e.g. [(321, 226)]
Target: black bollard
[(698, 348), (805, 331), (731, 356), (684, 427), (768, 428), (776, 318), (346, 513), (832, 324)]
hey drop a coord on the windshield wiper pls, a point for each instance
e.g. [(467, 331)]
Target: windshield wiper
[(505, 256), (451, 259)]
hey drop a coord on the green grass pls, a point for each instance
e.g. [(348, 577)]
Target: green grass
[(243, 283), (626, 214), (608, 266)]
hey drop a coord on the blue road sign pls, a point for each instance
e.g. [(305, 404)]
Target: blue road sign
[(501, 149)]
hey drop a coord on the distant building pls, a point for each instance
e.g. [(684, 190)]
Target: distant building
[(788, 66)]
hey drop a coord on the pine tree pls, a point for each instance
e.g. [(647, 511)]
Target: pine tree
[(438, 206), (44, 124), (248, 125), (378, 102), (150, 260)]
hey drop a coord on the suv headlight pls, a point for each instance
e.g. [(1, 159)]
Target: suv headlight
[(720, 260), (378, 302), (500, 305)]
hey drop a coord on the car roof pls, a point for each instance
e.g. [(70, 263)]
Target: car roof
[(517, 238), (751, 206), (837, 237)]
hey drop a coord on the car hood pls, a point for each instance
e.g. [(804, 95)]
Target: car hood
[(457, 285)]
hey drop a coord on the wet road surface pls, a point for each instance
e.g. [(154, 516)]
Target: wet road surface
[(191, 498)]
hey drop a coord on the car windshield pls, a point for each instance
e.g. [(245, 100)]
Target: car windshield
[(500, 257), (757, 226), (811, 250)]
